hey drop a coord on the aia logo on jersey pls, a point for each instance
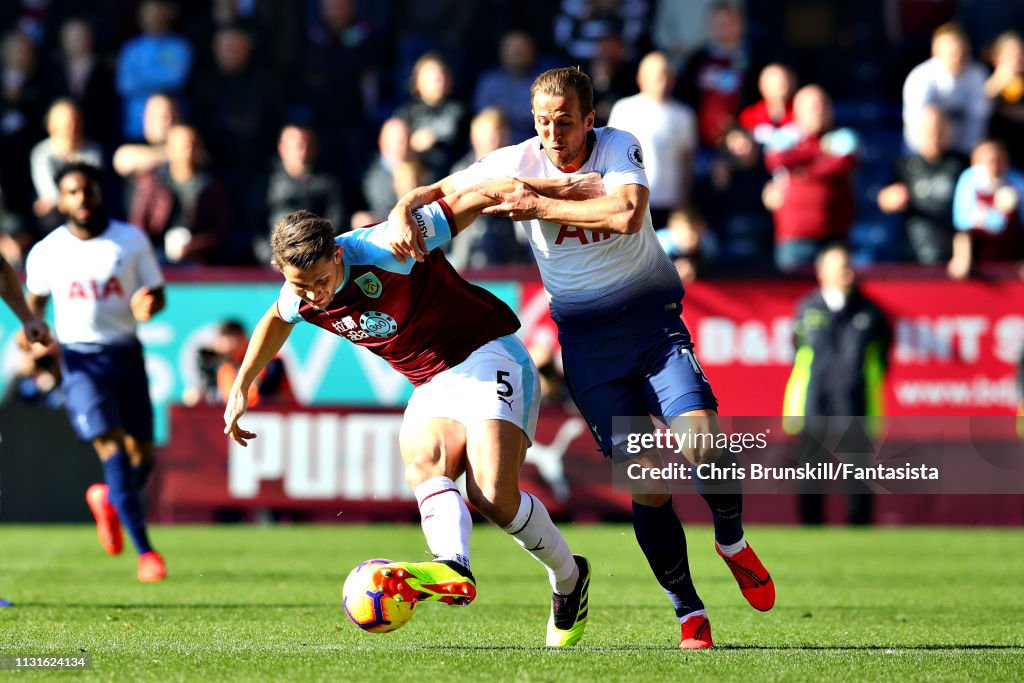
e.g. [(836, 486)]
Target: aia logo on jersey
[(570, 231), (99, 291), (635, 155)]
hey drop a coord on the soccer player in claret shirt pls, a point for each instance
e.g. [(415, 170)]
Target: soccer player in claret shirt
[(33, 329), (616, 299), (104, 278), (474, 409)]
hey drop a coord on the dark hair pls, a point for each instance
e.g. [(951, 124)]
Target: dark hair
[(231, 326), (560, 81), (91, 172), (302, 238)]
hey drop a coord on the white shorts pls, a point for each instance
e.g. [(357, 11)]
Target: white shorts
[(498, 381)]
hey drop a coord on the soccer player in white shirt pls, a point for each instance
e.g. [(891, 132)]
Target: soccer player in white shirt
[(103, 277), (617, 300)]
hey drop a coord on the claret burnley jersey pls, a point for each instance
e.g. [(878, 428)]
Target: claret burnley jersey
[(595, 280), (422, 318)]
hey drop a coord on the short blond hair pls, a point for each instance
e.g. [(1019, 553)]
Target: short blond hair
[(563, 80)]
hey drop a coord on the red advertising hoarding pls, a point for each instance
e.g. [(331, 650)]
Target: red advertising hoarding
[(956, 345)]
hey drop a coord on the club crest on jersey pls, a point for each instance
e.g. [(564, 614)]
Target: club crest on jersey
[(635, 155), (378, 324), (370, 285)]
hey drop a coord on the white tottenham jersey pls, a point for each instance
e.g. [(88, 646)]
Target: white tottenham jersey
[(589, 275), (92, 281)]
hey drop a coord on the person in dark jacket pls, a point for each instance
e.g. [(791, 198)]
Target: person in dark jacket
[(842, 347)]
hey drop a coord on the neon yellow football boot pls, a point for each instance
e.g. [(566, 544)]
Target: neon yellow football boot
[(569, 612), (444, 581)]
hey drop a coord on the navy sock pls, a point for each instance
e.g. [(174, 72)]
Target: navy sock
[(126, 500), (725, 502), (661, 537), (140, 475)]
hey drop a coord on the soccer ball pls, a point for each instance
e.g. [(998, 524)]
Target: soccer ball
[(366, 605)]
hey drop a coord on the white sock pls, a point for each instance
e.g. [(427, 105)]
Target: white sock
[(698, 613), (733, 548), (533, 529), (445, 519)]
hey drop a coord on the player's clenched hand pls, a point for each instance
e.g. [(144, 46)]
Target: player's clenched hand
[(403, 238), (238, 403), (521, 204), (143, 303)]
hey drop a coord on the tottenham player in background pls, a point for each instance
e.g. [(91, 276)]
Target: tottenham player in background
[(33, 329), (104, 278), (474, 409), (616, 299)]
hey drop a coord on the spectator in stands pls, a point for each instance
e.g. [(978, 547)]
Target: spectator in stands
[(65, 143), (233, 103), (393, 148), (688, 243), (581, 26), (730, 199), (84, 76), (218, 366), (923, 189), (156, 61), (21, 116), (447, 27), (1006, 88), (181, 206), (954, 83), (774, 110), (842, 342), (987, 211), (678, 28), (160, 114), (493, 239), (438, 123), (508, 87), (811, 191), (295, 184), (611, 76), (339, 54), (719, 76), (666, 131)]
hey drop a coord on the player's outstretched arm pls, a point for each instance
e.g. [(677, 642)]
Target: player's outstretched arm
[(267, 339), (621, 211), (34, 330), (467, 204)]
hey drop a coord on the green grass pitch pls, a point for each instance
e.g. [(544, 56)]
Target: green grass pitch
[(262, 603)]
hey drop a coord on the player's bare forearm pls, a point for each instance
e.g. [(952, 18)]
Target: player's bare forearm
[(10, 290), (421, 196), (37, 304), (622, 211), (267, 339), (467, 203)]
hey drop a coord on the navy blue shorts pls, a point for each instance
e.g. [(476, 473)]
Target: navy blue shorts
[(649, 372), (106, 387)]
